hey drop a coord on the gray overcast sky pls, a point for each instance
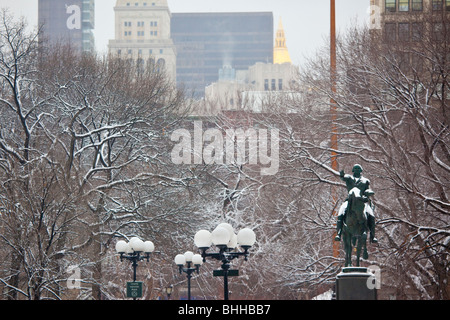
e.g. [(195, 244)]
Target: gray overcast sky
[(306, 22)]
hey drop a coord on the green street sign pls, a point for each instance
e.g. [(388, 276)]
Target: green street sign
[(220, 273), (134, 289)]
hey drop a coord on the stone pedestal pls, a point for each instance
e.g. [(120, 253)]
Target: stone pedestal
[(353, 283)]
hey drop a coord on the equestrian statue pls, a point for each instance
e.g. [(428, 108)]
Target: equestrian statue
[(355, 217)]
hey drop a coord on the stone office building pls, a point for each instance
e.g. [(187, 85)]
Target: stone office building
[(142, 33)]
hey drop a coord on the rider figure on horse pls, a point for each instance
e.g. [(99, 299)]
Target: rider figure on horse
[(358, 181)]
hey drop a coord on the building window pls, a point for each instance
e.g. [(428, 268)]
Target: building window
[(160, 64), (140, 23), (403, 5), (391, 5), (417, 5), (438, 31), (403, 32), (437, 5), (390, 32), (403, 61), (280, 84), (140, 33), (417, 62), (140, 64), (266, 84), (274, 87), (417, 31)]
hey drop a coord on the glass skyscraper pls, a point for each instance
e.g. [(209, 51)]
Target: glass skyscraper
[(68, 22), (206, 42)]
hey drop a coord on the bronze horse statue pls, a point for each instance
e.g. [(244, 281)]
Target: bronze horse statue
[(354, 230)]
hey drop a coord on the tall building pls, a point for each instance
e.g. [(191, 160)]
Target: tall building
[(280, 52), (412, 28), (208, 42), (409, 20), (68, 22), (142, 33)]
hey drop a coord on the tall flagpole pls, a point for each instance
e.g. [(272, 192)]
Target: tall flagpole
[(334, 142)]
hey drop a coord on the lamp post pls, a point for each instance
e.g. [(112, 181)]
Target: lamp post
[(189, 259), (134, 251), (227, 242)]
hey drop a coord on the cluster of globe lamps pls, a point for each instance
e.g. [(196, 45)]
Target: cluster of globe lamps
[(226, 241), (223, 238)]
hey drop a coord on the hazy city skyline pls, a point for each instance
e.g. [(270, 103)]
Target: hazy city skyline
[(306, 25)]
